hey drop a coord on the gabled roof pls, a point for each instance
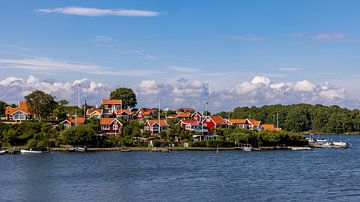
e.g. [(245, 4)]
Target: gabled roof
[(91, 111), (217, 119), (195, 113), (183, 115), (110, 102), (108, 121), (189, 122), (254, 122), (152, 122), (122, 111), (146, 111), (237, 121), (22, 107)]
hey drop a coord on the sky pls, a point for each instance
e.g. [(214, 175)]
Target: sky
[(184, 53)]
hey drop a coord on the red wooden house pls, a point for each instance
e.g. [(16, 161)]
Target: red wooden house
[(154, 127), (110, 126), (196, 116), (213, 122), (110, 107), (145, 113)]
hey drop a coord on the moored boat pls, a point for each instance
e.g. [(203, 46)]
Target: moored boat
[(30, 151), (2, 152), (247, 148), (80, 149)]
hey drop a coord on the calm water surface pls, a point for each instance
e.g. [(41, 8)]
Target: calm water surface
[(317, 175)]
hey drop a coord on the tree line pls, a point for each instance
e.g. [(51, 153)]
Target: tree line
[(303, 117)]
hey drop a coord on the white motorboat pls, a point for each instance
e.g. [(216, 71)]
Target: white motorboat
[(30, 151), (80, 149), (247, 148), (2, 152)]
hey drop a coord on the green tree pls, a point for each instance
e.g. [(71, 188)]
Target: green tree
[(126, 95), (80, 135), (41, 105), (2, 107)]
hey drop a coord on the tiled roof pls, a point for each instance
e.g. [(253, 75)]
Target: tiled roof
[(107, 121), (218, 119), (121, 111), (237, 121), (191, 122), (90, 111), (183, 115), (22, 107), (254, 122), (270, 127), (146, 111), (162, 122), (110, 102)]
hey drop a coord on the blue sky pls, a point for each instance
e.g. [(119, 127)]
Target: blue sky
[(229, 52)]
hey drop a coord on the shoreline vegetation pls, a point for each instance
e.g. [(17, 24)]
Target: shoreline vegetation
[(46, 128)]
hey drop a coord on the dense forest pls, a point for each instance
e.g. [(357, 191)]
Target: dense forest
[(303, 117)]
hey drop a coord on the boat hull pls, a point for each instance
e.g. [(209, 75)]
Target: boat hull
[(24, 151)]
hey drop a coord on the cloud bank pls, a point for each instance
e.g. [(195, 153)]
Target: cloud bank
[(95, 12), (260, 90)]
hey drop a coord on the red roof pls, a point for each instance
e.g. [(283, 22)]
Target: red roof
[(22, 107), (90, 111), (107, 121), (110, 102), (191, 122), (152, 122), (270, 127), (146, 111), (218, 119), (237, 121), (254, 122), (121, 111), (183, 115)]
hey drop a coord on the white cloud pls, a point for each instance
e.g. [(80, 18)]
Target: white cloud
[(14, 89), (94, 12), (259, 90), (305, 86), (42, 64), (101, 40), (325, 36)]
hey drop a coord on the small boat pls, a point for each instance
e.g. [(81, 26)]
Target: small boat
[(80, 149), (125, 150), (300, 148), (2, 152), (30, 151), (247, 148)]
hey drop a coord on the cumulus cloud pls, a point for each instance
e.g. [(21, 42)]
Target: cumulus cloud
[(260, 90), (13, 89), (94, 12)]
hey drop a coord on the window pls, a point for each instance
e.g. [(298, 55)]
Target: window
[(115, 126), (105, 127)]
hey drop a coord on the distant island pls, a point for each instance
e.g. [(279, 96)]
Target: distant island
[(41, 122)]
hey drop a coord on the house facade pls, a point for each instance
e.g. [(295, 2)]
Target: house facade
[(213, 122), (145, 113), (196, 116), (73, 122), (110, 126), (156, 126), (253, 124), (94, 113), (192, 125), (239, 123), (18, 114), (124, 114), (110, 107)]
